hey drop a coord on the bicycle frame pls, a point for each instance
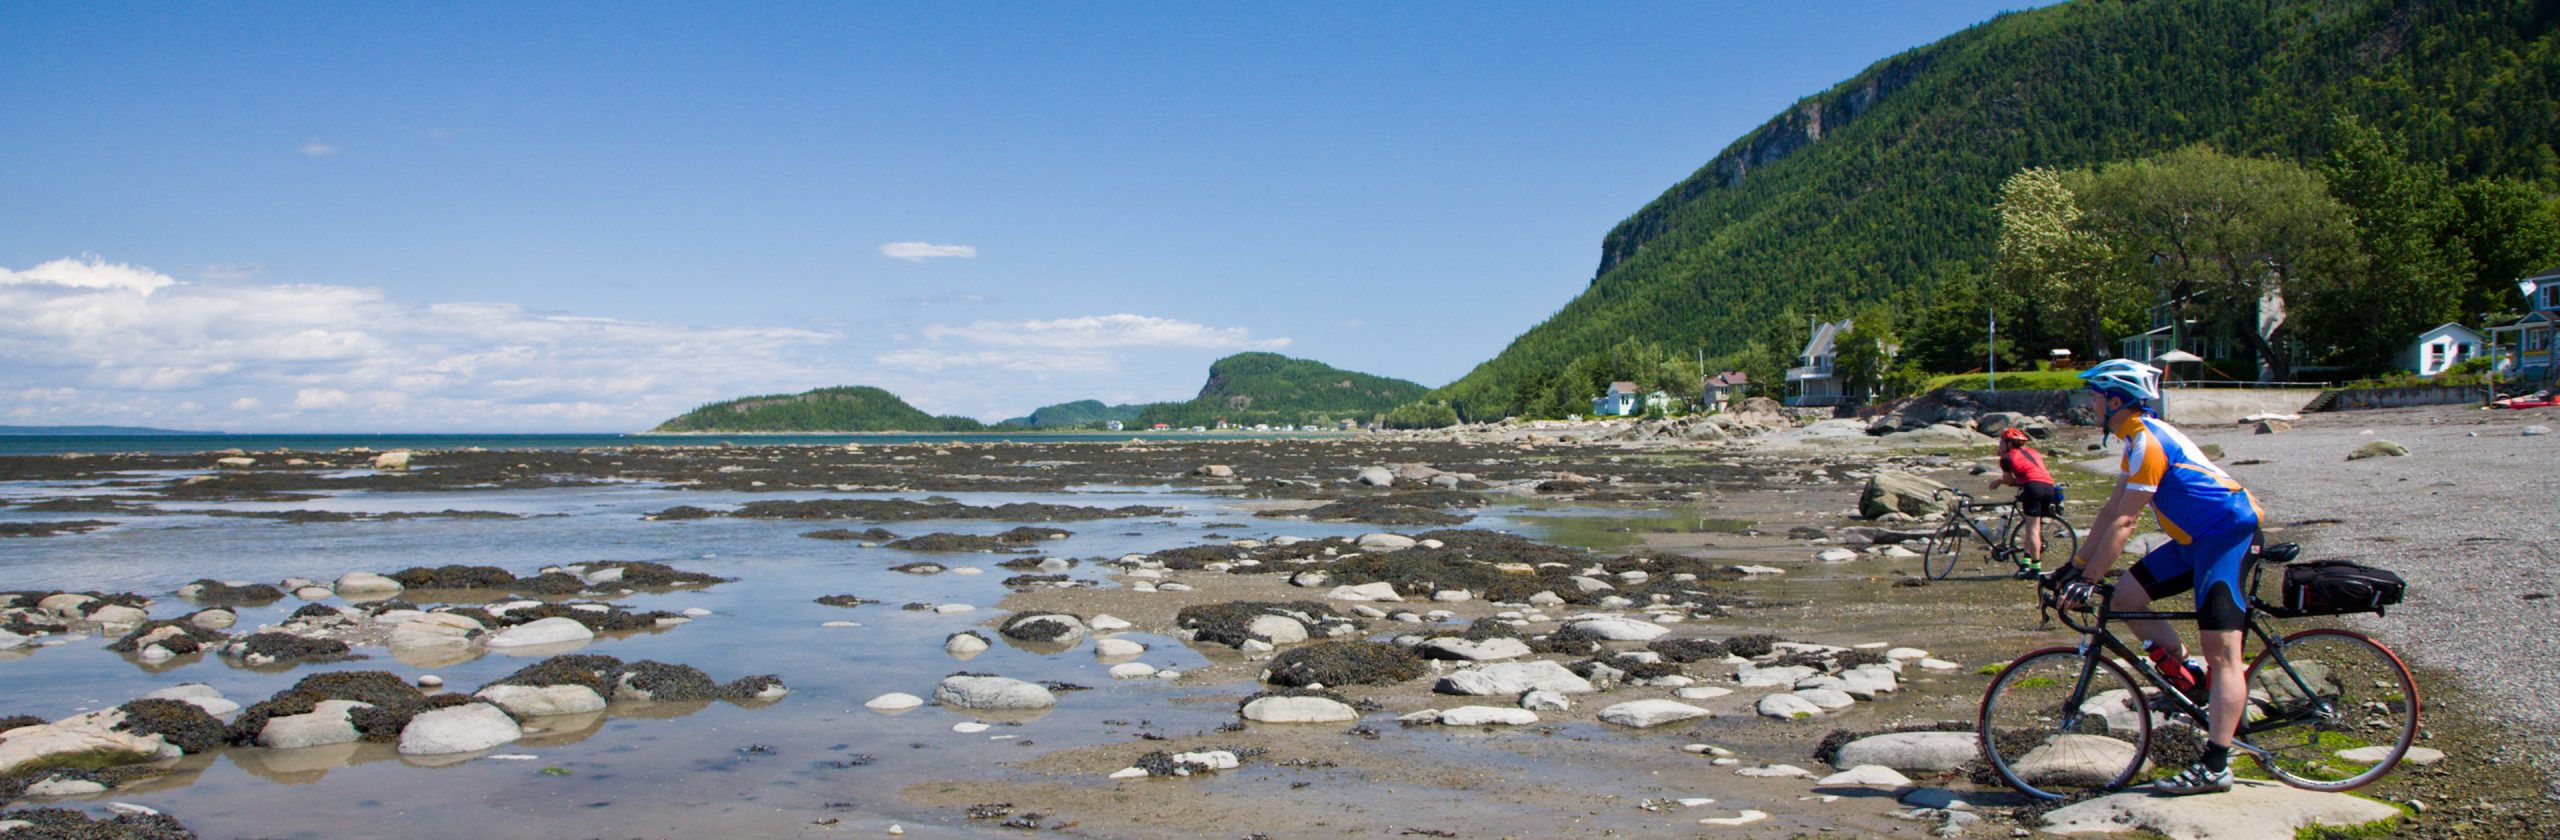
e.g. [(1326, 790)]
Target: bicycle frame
[(2095, 635)]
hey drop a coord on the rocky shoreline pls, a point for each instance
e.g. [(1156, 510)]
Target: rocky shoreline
[(1782, 674)]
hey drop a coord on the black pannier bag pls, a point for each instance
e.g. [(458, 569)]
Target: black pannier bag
[(2337, 587)]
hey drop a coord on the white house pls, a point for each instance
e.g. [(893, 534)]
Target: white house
[(2441, 348), (1619, 401), (2525, 349), (1814, 382)]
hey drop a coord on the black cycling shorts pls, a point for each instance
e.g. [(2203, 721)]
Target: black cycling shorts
[(2040, 499)]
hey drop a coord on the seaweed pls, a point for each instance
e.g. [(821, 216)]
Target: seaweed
[(1026, 581), (1194, 557), (189, 638), (286, 647), (847, 601), (614, 618), (1570, 640), (14, 721), (747, 687), (178, 722), (67, 824), (393, 697), (1038, 627), (1632, 669), (667, 682), (1489, 628), (1345, 663), (680, 513), (1027, 563), (209, 591), (659, 575), (1752, 646), (454, 577), (1687, 650), (1228, 623), (314, 611), (867, 535), (919, 568), (594, 670)]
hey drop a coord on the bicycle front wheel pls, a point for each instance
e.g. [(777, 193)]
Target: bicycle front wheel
[(1938, 555), (2050, 735), (2060, 542), (2341, 718)]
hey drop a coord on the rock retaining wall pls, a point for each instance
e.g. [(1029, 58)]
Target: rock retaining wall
[(2358, 398)]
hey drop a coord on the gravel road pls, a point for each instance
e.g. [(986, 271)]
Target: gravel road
[(2467, 517)]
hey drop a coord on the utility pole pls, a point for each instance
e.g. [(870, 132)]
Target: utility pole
[(1991, 349)]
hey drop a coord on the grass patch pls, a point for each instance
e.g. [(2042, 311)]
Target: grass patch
[(1992, 669), (2028, 380), (2036, 682)]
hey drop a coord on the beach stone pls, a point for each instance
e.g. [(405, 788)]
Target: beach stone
[(58, 786), (1379, 591), (2378, 449), (1893, 491), (600, 577), (1546, 599), (1589, 585), (1108, 648), (2251, 809), (1299, 710), (992, 693), (198, 695), (1621, 629), (1214, 471), (430, 681), (366, 583), (1865, 775), (1215, 760), (1938, 665), (1542, 700), (1514, 678), (1783, 676), (1107, 622), (460, 729), (393, 461), (64, 605), (1901, 654), (2074, 760), (1453, 596), (313, 593), (539, 700), (1451, 647), (13, 641), (1310, 579), (1746, 816), (950, 609), (1775, 771), (2273, 427), (1279, 629), (546, 631), (894, 702), (1702, 692), (1385, 542), (325, 724), (1828, 699), (1919, 752), (235, 463), (2417, 757), (30, 744), (1835, 555), (119, 615), (214, 619), (1132, 671), (1643, 714), (2536, 430), (1377, 477), (1487, 716), (434, 630), (1784, 706), (1758, 570)]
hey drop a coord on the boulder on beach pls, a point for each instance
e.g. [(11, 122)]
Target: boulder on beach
[(543, 631), (1919, 752), (537, 701), (2378, 449), (1473, 650), (1299, 709), (1643, 714), (1784, 706), (393, 461), (327, 723), (1513, 678), (470, 727), (1893, 491), (1378, 591), (366, 583), (2250, 809), (1487, 716), (987, 692)]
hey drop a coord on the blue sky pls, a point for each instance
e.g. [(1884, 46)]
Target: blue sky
[(538, 217)]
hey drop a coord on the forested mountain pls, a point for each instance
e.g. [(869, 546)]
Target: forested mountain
[(1075, 415), (842, 409), (1864, 193), (1250, 388)]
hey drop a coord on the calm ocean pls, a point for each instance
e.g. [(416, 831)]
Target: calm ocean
[(179, 444)]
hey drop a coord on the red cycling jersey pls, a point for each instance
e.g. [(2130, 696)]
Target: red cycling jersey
[(2025, 465)]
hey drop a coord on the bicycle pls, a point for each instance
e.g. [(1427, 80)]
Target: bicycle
[(2005, 540), (2329, 709)]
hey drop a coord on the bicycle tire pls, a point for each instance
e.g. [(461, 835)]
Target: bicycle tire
[(2058, 550), (2040, 748), (2375, 704), (1939, 555)]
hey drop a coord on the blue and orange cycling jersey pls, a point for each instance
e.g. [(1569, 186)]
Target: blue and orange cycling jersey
[(2192, 496)]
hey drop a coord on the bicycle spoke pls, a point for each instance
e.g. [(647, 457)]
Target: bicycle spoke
[(2048, 736), (2342, 717)]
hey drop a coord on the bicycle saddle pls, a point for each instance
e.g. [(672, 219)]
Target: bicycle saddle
[(2279, 554)]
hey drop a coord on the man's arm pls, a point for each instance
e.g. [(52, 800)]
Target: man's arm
[(2112, 529)]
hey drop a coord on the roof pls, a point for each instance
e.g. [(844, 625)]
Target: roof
[(1729, 379), (2552, 273), (1622, 387), (2450, 327), (2530, 319), (1823, 337)]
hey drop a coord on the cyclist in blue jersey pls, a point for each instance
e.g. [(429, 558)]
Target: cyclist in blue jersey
[(2211, 522)]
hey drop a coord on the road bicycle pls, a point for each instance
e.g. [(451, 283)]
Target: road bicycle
[(2328, 709), (2002, 539)]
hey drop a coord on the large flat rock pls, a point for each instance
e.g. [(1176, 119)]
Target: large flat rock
[(2250, 810), (1513, 678), (1912, 751)]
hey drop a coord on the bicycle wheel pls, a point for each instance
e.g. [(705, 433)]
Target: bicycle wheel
[(2050, 737), (1939, 553), (2344, 723), (2060, 542)]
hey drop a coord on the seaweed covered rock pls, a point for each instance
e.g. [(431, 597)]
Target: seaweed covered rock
[(1687, 650), (1236, 622), (646, 681), (209, 591), (469, 727), (847, 601), (1297, 706), (755, 687), (1044, 628), (599, 618), (178, 637), (560, 685), (551, 630), (988, 692), (273, 647), (965, 643), (1345, 663), (180, 723), (919, 568), (549, 583), (14, 721), (67, 824), (642, 573), (868, 535), (454, 577), (386, 702), (1752, 646)]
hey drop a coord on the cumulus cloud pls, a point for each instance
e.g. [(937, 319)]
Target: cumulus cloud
[(316, 148), (87, 340), (921, 251), (1122, 330), (227, 271)]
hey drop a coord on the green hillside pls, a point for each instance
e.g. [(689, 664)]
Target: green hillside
[(1252, 388), (1862, 194), (1075, 415), (841, 409)]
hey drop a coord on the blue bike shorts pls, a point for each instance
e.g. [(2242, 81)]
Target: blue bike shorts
[(2209, 564)]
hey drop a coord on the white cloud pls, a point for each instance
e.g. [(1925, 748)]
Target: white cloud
[(316, 148), (89, 341), (227, 271), (1027, 361), (1122, 330), (88, 272), (921, 251)]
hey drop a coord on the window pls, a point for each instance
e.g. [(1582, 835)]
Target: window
[(2435, 356), (2550, 297)]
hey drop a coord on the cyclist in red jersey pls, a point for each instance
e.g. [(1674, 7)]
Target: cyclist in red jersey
[(2023, 466)]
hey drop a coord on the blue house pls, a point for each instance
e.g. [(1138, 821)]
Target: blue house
[(1620, 400)]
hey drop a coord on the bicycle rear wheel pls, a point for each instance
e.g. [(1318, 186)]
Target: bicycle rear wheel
[(2344, 723), (1939, 553), (2049, 737), (2060, 542)]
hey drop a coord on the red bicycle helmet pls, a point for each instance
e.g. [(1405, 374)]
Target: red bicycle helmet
[(2014, 433)]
